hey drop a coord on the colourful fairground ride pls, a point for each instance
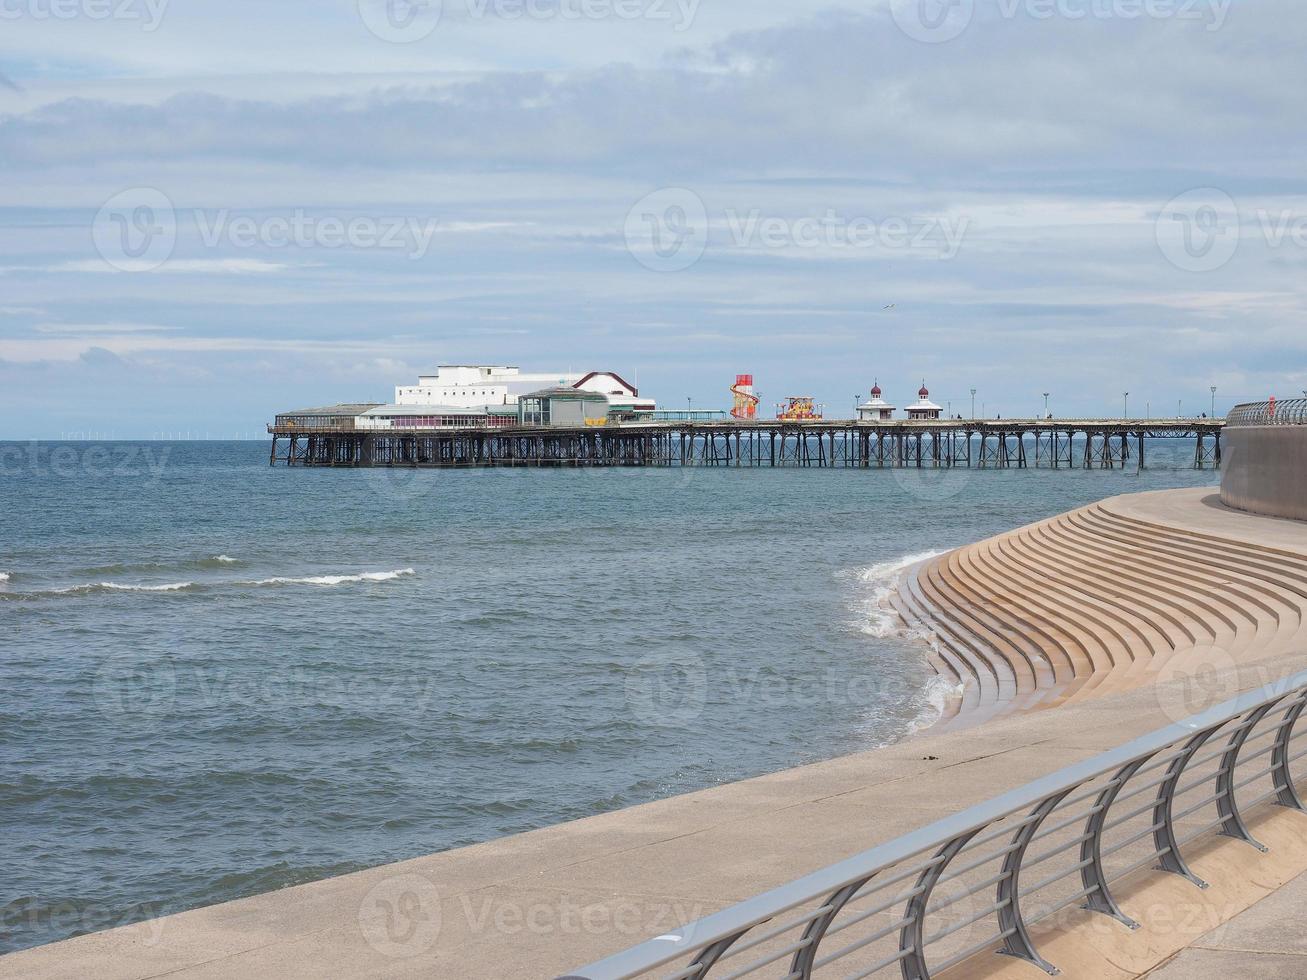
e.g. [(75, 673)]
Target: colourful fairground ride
[(746, 402), (798, 408)]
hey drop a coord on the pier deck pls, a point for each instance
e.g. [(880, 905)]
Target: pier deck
[(971, 443)]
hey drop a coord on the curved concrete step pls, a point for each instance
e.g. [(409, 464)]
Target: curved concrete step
[(1274, 594), (1096, 601)]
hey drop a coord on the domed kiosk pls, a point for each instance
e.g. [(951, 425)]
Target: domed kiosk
[(924, 408)]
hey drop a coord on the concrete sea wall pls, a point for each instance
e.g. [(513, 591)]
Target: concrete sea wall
[(1265, 470)]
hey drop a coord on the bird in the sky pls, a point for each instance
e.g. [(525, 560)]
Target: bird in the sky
[(890, 307)]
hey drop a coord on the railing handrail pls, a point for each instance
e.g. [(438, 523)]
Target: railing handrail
[(814, 888), (1290, 411)]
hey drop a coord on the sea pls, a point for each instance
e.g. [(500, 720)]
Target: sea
[(220, 678)]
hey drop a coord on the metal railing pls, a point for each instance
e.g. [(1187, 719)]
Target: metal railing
[(979, 880), (312, 425), (1291, 411)]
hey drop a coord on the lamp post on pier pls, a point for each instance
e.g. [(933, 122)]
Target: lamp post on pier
[(973, 403), (1213, 390), (1045, 404), (1125, 404)]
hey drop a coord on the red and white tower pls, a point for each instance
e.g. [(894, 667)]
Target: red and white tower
[(746, 402)]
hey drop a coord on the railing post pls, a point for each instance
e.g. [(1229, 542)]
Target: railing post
[(711, 954), (801, 967), (1280, 774), (1164, 839), (1009, 888), (912, 937), (1227, 806), (1093, 875)]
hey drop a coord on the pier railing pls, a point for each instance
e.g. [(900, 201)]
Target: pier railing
[(1291, 411), (978, 882)]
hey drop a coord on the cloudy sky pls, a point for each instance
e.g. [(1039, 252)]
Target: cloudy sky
[(213, 210)]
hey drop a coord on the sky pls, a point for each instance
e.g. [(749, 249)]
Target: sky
[(215, 210)]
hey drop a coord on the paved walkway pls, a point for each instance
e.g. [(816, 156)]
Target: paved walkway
[(1267, 942)]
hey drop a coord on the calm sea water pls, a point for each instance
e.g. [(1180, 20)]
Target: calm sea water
[(220, 678)]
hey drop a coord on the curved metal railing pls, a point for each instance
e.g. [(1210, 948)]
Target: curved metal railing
[(1291, 411), (978, 880)]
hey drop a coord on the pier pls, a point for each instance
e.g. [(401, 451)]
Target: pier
[(304, 439)]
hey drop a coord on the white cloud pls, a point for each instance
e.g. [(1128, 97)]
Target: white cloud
[(32, 350), (1059, 141), (93, 328), (227, 266)]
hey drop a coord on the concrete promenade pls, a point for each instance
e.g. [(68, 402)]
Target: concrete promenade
[(538, 904), (1266, 941)]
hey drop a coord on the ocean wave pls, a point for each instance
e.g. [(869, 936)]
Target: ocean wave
[(333, 579), (224, 559), (106, 587), (935, 697), (4, 576), (883, 580), (169, 587), (319, 580)]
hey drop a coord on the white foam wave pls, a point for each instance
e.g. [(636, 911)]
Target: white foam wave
[(170, 587), (936, 696), (321, 580), (225, 559), (883, 579), (4, 576), (335, 579)]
